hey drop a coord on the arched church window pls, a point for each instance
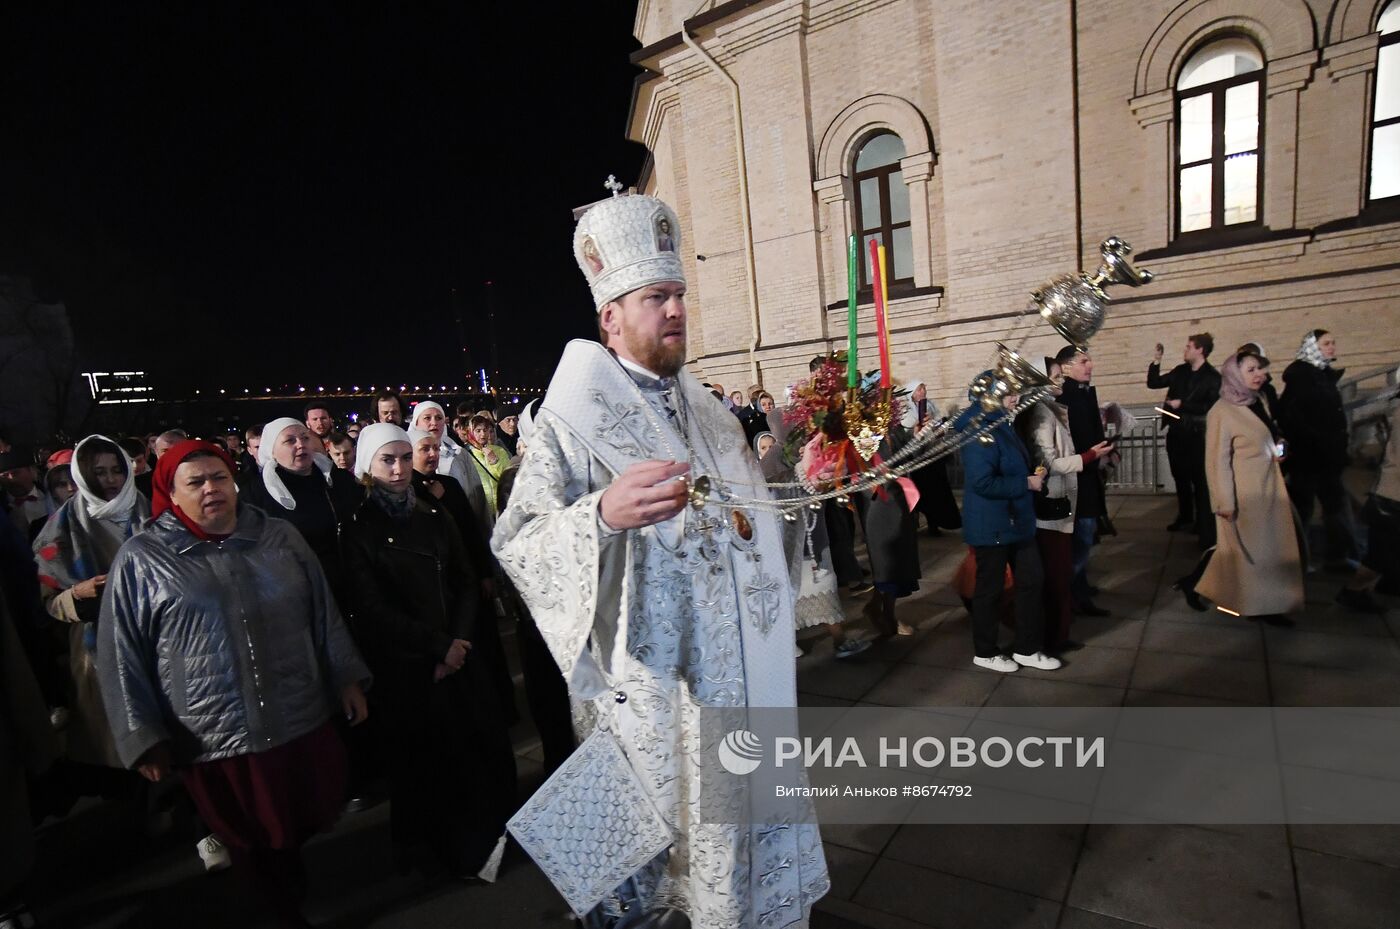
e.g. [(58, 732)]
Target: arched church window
[(1219, 123), (1385, 116), (882, 207)]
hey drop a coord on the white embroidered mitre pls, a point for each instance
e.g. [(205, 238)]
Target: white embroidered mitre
[(625, 243)]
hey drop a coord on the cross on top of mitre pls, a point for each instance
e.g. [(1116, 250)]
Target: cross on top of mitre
[(612, 184)]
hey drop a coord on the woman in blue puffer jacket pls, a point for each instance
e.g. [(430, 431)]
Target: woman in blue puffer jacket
[(999, 525)]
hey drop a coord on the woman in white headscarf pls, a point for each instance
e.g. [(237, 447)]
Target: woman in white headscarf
[(1314, 420), (451, 767), (75, 549), (299, 483), (429, 416), (936, 500)]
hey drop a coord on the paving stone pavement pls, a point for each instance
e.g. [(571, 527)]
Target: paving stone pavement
[(1154, 651)]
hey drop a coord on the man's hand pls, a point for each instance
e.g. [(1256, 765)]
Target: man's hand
[(441, 671), (352, 701), (90, 588), (154, 766), (1174, 404), (645, 494), (1157, 354), (457, 654), (1036, 481)]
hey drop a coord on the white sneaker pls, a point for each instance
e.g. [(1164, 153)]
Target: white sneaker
[(996, 663), (213, 854), (1039, 660)]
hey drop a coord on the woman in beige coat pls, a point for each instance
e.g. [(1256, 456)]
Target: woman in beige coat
[(1256, 570)]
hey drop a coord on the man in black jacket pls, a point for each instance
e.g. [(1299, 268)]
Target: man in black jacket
[(1192, 388), (1086, 427)]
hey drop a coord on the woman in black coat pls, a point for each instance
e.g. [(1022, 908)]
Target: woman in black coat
[(298, 483), (451, 767), (437, 488), (1314, 424)]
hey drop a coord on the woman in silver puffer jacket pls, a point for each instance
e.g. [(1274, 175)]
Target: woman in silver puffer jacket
[(220, 649)]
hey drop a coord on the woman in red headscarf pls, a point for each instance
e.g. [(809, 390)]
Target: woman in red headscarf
[(219, 648)]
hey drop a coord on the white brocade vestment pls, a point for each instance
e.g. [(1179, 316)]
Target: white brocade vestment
[(683, 615)]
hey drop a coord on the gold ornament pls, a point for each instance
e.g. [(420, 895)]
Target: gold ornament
[(866, 429)]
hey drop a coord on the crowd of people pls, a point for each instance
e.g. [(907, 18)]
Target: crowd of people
[(1248, 462), (298, 620), (305, 618), (1251, 462)]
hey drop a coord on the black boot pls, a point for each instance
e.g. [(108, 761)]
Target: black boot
[(1187, 586)]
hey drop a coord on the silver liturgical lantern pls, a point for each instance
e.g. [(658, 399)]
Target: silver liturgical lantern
[(1076, 305)]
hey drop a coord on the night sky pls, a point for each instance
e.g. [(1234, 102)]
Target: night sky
[(292, 193)]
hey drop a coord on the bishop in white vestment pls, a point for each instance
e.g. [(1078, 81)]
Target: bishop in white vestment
[(654, 609)]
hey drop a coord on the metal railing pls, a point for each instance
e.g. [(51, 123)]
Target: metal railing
[(1368, 409), (1141, 453)]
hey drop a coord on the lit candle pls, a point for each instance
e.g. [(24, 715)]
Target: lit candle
[(877, 280), (852, 282)]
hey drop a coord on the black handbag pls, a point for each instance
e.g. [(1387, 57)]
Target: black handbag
[(1051, 509)]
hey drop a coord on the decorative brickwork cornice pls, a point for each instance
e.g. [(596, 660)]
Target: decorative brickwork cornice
[(764, 25), (917, 167), (663, 100), (1291, 73), (833, 189), (1354, 56), (1156, 107), (726, 41), (823, 14)]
